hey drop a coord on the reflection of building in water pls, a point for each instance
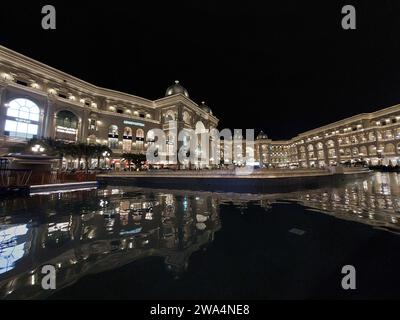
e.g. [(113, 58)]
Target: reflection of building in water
[(115, 227), (374, 201), (119, 229)]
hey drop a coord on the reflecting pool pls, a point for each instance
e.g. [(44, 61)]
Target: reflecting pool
[(132, 243)]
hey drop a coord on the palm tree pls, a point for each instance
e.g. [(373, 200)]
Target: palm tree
[(85, 151), (100, 151)]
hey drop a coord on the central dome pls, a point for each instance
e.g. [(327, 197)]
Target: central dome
[(176, 89)]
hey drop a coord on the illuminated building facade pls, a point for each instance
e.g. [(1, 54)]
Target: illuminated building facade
[(371, 137), (39, 101)]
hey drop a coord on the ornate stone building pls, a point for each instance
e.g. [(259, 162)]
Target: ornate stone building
[(39, 101), (371, 137)]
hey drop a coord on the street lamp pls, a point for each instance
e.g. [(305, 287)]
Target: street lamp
[(38, 148)]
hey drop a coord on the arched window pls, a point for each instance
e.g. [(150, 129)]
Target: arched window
[(113, 137), (139, 134), (363, 151), (67, 119), (127, 140), (372, 150), (390, 148), (139, 139), (320, 152), (66, 126), (330, 144), (113, 131), (388, 134), (169, 116), (371, 136), (22, 119)]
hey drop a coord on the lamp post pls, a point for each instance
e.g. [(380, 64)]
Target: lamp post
[(38, 149)]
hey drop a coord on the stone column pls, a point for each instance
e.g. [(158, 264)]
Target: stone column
[(83, 126), (48, 124), (307, 156), (338, 159), (3, 110), (178, 144), (45, 120), (326, 153)]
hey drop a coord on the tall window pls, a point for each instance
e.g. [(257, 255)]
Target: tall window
[(127, 140), (66, 126), (113, 137), (139, 139), (22, 119)]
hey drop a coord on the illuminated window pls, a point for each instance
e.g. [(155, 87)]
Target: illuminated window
[(66, 126), (139, 139), (113, 137), (22, 119), (127, 140)]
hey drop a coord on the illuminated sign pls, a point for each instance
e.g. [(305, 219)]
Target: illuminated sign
[(66, 130), (133, 123)]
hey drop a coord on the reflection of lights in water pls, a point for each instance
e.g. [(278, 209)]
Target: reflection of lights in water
[(201, 226), (149, 216), (103, 203), (371, 216), (115, 191), (133, 231), (201, 218), (33, 279), (185, 204), (60, 227), (12, 246), (60, 192), (169, 199)]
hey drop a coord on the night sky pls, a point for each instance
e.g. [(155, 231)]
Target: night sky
[(285, 67)]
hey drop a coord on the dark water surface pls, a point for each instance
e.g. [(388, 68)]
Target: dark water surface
[(131, 243)]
